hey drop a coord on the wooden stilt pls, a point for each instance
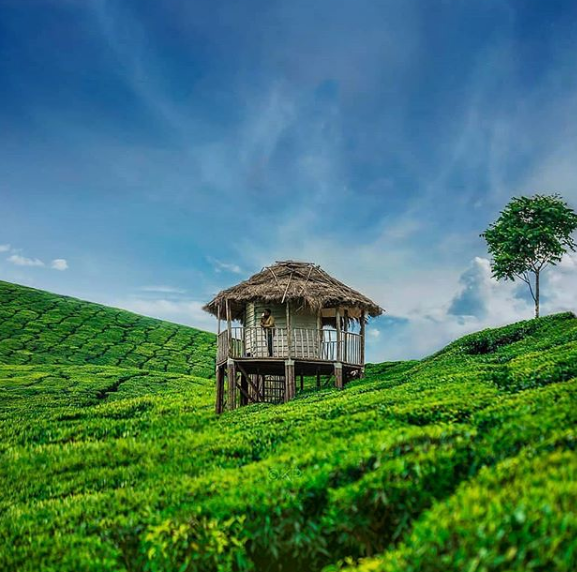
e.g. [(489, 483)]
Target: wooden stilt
[(219, 390), (289, 372), (302, 382), (231, 375), (244, 395), (339, 375), (318, 379)]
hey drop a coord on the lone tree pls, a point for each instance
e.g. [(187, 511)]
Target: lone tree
[(530, 233)]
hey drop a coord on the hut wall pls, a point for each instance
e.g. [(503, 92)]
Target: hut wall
[(303, 323), (254, 311)]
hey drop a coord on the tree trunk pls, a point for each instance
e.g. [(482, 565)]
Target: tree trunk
[(537, 294)]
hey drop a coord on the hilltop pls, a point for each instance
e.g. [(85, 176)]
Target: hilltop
[(112, 459)]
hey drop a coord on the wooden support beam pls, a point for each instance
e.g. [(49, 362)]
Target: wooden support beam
[(260, 396), (231, 375), (339, 375), (219, 390), (318, 379), (302, 382), (289, 373), (244, 395)]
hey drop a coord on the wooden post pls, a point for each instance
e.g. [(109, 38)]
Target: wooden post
[(231, 375), (289, 373), (362, 360), (318, 379), (338, 324), (244, 394), (339, 375), (229, 328), (219, 389), (320, 334), (289, 335), (302, 382), (346, 338)]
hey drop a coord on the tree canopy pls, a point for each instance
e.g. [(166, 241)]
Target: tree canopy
[(530, 233)]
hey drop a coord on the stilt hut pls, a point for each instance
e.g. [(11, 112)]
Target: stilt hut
[(319, 331)]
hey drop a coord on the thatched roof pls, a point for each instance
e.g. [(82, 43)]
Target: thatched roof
[(300, 283)]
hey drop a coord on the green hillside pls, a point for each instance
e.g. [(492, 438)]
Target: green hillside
[(41, 328), (464, 461)]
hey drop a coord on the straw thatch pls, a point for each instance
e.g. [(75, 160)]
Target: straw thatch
[(302, 283)]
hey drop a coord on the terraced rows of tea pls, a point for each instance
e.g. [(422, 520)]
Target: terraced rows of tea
[(37, 327), (464, 461)]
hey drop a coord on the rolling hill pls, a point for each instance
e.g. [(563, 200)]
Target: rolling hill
[(111, 458), (37, 327)]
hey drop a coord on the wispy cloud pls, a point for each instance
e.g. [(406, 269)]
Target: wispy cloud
[(4, 248), (19, 260), (163, 289), (220, 266)]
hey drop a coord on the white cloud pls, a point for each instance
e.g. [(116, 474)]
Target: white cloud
[(219, 266), (23, 261), (4, 248), (59, 264), (434, 323), (162, 289), (188, 312)]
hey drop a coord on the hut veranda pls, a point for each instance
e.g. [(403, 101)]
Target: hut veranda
[(316, 328)]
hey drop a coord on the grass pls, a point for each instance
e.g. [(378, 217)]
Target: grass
[(462, 461)]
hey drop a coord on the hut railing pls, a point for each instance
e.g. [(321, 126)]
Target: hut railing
[(222, 346), (306, 343)]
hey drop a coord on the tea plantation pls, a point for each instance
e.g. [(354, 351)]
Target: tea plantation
[(111, 458)]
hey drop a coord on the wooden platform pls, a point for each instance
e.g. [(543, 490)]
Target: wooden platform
[(241, 381)]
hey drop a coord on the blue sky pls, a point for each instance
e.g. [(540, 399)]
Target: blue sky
[(152, 153)]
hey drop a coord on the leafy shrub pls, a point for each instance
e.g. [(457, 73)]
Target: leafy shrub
[(515, 517), (536, 369)]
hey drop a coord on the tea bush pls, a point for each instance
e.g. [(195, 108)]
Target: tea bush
[(517, 516)]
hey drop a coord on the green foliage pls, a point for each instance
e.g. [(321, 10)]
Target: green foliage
[(462, 461), (530, 233), (517, 516)]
